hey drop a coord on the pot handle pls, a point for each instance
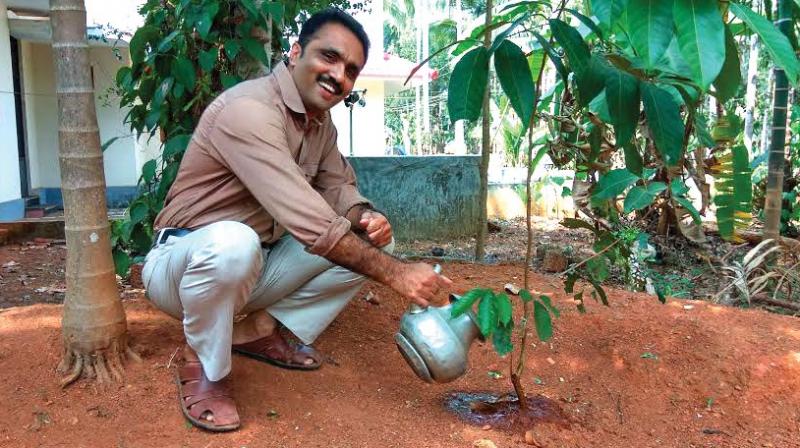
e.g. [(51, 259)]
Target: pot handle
[(414, 308)]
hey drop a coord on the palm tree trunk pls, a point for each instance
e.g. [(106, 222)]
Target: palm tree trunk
[(774, 195), (94, 327), (766, 125), (486, 149)]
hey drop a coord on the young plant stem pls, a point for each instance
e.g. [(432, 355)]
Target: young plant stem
[(486, 147), (516, 372)]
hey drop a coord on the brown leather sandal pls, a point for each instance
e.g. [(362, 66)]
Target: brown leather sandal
[(198, 396), (276, 350)]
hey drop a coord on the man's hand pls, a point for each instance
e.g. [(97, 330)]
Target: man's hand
[(376, 227), (421, 284)]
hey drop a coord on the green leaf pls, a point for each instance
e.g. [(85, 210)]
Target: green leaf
[(701, 38), (208, 59), (502, 37), (138, 212), (701, 131), (544, 325), (504, 311), (206, 18), (777, 43), (166, 43), (587, 21), (608, 11), (109, 142), (650, 26), (633, 159), (599, 106), (595, 142), (466, 301), (640, 196), (176, 145), (730, 77), (255, 49), (162, 92), (183, 71), (122, 262), (664, 118), (557, 62), (149, 171), (232, 48), (273, 10), (622, 95), (613, 183), (569, 283), (687, 204), (467, 85), (549, 304), (487, 315), (250, 7), (599, 292), (571, 41), (501, 340), (677, 187), (229, 81), (598, 269), (138, 45), (515, 79)]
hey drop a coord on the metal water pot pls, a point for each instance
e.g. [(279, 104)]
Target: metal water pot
[(434, 344)]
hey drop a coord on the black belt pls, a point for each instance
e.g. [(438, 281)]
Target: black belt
[(163, 234)]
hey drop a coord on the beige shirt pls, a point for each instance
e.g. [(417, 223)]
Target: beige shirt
[(256, 158)]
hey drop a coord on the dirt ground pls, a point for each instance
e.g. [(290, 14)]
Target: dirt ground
[(635, 374)]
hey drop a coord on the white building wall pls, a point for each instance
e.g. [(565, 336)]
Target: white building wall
[(120, 160), (9, 156), (369, 132)]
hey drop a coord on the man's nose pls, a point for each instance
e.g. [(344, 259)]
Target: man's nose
[(337, 73)]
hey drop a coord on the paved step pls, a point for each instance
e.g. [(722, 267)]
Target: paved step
[(40, 211)]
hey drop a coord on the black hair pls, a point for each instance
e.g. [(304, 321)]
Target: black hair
[(333, 15)]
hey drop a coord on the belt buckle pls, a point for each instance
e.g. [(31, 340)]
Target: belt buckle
[(160, 236)]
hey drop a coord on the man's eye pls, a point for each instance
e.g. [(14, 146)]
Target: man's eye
[(329, 56)]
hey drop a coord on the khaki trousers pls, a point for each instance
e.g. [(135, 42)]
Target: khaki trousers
[(212, 274)]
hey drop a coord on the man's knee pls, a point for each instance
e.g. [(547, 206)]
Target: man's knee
[(232, 250)]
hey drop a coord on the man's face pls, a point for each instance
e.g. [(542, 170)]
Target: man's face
[(328, 67)]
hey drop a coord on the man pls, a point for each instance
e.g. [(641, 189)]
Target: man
[(260, 222)]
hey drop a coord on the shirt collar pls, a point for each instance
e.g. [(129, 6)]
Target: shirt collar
[(290, 95)]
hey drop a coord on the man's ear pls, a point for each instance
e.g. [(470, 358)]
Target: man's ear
[(294, 53)]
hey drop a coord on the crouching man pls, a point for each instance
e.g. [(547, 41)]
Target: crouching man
[(260, 222)]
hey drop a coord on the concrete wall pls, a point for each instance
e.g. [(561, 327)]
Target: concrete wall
[(11, 204), (120, 159), (423, 197)]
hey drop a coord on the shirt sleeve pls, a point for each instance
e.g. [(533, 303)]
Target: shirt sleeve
[(336, 180), (249, 137)]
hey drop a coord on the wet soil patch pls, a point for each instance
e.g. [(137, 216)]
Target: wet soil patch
[(503, 411)]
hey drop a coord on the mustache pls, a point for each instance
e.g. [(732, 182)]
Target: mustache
[(331, 81)]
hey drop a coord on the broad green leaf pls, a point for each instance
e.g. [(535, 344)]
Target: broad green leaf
[(608, 11), (501, 340), (149, 171), (138, 212), (777, 43), (167, 178), (599, 106), (232, 48), (176, 145), (515, 79), (229, 81), (162, 91), (183, 71), (633, 159), (466, 301), (600, 292), (487, 315), (206, 19), (109, 142), (208, 59), (569, 283), (535, 62), (587, 21), (138, 45), (571, 41), (549, 304), (664, 119), (687, 204), (598, 269), (640, 196), (673, 60), (122, 262), (544, 325), (592, 81), (701, 38), (273, 10), (595, 143), (557, 62), (613, 183), (467, 85), (502, 37), (255, 49), (622, 96), (166, 43), (677, 187), (250, 7), (650, 27), (525, 295), (701, 131), (730, 77), (504, 311)]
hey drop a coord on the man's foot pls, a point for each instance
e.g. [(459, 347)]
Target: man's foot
[(276, 350), (207, 404)]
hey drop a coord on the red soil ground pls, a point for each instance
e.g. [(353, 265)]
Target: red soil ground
[(635, 374)]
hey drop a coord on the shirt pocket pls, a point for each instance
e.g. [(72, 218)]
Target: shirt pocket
[(310, 170)]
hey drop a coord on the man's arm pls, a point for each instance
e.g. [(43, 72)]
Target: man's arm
[(417, 281)]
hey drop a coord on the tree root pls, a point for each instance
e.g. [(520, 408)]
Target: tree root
[(104, 366)]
